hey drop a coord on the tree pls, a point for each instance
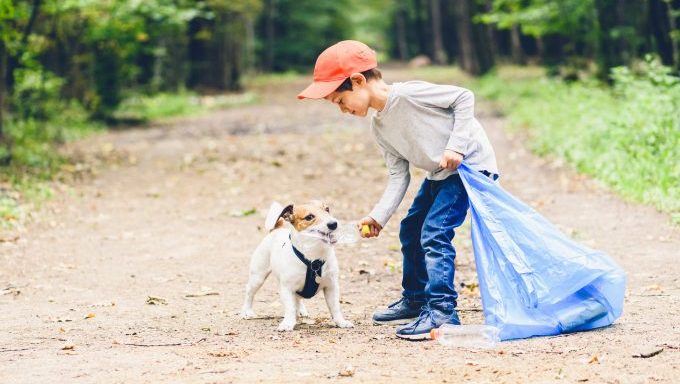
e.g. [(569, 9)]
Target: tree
[(475, 49), (439, 55)]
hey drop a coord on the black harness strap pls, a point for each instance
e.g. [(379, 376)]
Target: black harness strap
[(313, 270)]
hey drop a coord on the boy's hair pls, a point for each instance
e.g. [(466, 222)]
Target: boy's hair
[(369, 74)]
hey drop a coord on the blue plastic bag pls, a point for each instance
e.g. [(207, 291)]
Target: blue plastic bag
[(533, 279)]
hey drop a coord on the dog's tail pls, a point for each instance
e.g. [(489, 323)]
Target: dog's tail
[(276, 210)]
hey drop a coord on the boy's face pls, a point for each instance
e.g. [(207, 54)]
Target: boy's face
[(355, 101)]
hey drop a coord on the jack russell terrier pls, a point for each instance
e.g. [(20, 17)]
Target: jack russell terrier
[(299, 250)]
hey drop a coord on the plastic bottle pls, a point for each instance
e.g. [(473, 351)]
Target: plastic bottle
[(347, 233), (466, 336)]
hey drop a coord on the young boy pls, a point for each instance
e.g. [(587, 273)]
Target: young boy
[(431, 127)]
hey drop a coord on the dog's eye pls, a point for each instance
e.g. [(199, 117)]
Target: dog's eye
[(309, 217), (327, 209)]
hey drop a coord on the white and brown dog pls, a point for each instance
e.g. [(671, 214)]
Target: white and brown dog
[(299, 250)]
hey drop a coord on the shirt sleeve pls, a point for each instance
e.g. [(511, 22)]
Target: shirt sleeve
[(397, 184), (463, 116)]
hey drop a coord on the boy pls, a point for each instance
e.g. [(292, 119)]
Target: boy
[(431, 127)]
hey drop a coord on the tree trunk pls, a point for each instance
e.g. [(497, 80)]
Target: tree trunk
[(476, 55), (400, 24), (516, 46), (437, 45), (3, 74), (540, 47), (270, 33), (422, 47), (230, 28), (673, 27), (491, 30), (249, 46), (468, 60), (659, 23)]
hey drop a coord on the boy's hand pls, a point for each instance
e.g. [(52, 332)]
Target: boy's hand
[(451, 159), (373, 225)]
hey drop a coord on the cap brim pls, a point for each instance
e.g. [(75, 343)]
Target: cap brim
[(320, 89)]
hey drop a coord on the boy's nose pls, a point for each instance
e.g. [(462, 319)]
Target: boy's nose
[(332, 225)]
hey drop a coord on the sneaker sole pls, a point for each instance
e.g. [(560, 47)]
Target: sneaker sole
[(394, 322), (422, 336)]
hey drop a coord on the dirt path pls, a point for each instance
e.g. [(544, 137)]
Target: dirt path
[(160, 219)]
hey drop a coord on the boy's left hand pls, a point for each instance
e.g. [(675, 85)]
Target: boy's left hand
[(451, 159)]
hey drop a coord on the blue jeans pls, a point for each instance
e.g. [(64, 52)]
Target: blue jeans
[(426, 234)]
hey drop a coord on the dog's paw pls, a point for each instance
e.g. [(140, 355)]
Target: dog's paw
[(303, 313), (286, 326), (248, 314), (344, 323)]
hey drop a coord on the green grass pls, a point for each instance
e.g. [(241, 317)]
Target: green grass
[(626, 135), (165, 105)]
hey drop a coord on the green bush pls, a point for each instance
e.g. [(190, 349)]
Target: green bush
[(626, 135)]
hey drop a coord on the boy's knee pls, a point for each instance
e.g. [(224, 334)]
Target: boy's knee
[(433, 238), (407, 235)]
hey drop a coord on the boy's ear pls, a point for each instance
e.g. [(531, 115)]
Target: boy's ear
[(357, 79)]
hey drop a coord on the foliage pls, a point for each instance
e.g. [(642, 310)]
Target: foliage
[(627, 136), (305, 27), (542, 17)]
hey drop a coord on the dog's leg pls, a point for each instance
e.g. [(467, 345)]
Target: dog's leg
[(290, 308), (259, 270), (255, 281), (332, 295), (301, 310)]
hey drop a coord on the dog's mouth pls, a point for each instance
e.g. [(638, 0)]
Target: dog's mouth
[(326, 237)]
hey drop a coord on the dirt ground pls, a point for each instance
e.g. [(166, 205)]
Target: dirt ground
[(166, 215)]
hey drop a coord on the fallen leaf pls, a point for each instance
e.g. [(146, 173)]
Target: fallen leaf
[(203, 292), (104, 304), (653, 288), (153, 300), (347, 371), (69, 346), (594, 360), (10, 290), (8, 237), (648, 354), (89, 315), (243, 213)]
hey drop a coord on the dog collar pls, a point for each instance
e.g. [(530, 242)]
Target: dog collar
[(313, 271)]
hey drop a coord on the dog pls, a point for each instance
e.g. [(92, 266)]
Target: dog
[(299, 251)]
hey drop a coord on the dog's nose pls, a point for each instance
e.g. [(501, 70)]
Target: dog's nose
[(332, 225)]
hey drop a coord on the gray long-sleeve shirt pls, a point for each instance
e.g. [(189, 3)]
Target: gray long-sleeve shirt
[(419, 121)]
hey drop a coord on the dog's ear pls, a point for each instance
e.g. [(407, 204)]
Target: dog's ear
[(287, 213), (277, 211)]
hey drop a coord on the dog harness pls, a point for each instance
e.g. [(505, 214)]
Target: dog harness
[(313, 271)]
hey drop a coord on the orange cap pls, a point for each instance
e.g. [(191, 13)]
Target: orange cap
[(335, 64)]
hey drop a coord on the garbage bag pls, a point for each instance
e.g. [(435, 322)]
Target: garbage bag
[(533, 279)]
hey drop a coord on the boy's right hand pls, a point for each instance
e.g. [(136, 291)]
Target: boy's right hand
[(373, 225)]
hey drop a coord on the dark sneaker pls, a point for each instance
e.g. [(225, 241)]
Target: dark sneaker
[(401, 312), (428, 320)]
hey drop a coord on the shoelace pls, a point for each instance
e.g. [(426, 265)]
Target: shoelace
[(425, 313), (395, 303)]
